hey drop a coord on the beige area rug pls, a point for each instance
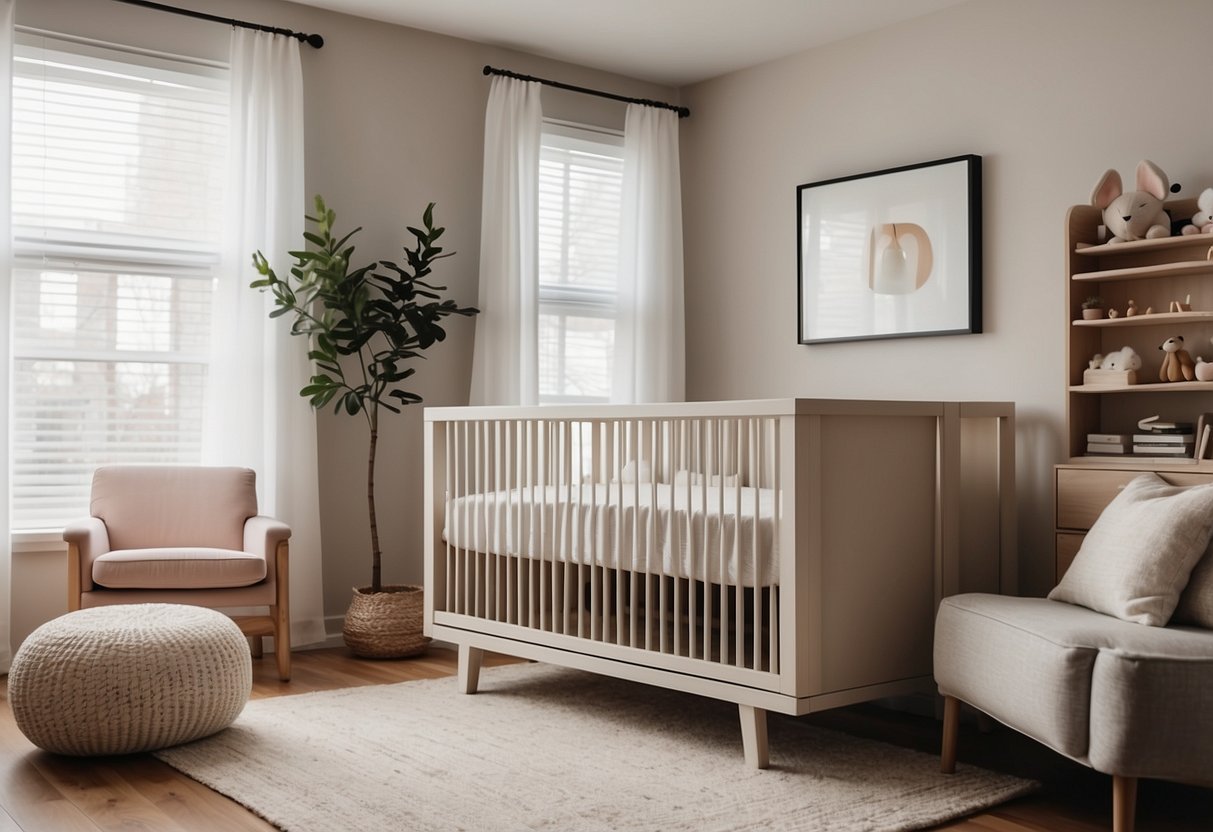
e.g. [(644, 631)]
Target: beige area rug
[(544, 747)]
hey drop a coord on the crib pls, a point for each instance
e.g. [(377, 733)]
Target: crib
[(784, 555)]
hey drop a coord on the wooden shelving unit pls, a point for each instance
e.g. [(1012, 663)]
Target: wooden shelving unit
[(1152, 273)]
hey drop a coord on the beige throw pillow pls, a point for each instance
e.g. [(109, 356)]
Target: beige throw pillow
[(1196, 601), (1139, 554)]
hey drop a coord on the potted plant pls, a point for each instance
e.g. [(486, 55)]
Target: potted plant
[(1092, 308), (364, 325)]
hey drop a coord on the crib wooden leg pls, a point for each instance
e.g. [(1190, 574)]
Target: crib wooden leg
[(469, 668), (754, 736)]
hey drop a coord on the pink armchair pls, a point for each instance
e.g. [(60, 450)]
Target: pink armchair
[(183, 535)]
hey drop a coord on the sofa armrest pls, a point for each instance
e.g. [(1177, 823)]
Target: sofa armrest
[(86, 540), (268, 537), (263, 534)]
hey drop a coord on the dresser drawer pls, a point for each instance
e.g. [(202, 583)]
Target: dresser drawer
[(1068, 544), (1083, 493)]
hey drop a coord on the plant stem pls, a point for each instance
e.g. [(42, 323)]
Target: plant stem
[(376, 581)]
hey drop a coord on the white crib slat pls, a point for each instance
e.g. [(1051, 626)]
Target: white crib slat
[(722, 628), (651, 552), (451, 492), (738, 584), (501, 429), (481, 518), (526, 543), (777, 513), (514, 592), (757, 426), (468, 521), (506, 515), (693, 464), (671, 473), (484, 430), (534, 428), (547, 569), (567, 533), (705, 466), (677, 447), (598, 432), (617, 582), (581, 528), (544, 462), (633, 589)]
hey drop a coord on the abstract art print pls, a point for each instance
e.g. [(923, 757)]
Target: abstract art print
[(891, 254)]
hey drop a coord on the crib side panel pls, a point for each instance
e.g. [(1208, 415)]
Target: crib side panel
[(645, 538)]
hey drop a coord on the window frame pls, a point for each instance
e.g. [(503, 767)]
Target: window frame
[(109, 258), (563, 300)]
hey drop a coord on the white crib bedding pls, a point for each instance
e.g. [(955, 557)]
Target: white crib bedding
[(699, 532)]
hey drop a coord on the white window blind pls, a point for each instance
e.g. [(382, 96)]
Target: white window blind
[(580, 184), (118, 172)]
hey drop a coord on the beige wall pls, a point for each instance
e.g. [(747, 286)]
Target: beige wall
[(394, 119), (1050, 94)]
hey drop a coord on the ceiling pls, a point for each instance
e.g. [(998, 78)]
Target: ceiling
[(670, 42)]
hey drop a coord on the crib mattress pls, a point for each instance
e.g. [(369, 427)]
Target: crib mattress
[(721, 535)]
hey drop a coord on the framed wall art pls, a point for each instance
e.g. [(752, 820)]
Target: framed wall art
[(891, 254)]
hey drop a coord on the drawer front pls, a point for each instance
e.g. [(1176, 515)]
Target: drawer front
[(1082, 494), (1068, 544)]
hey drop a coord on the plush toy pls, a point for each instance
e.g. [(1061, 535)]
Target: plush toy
[(1202, 220), (1176, 363), (1124, 358), (1136, 215), (1203, 370)]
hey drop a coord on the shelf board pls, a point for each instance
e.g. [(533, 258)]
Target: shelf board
[(1155, 387), (1183, 268), (1153, 319), (1160, 244), (1145, 463)]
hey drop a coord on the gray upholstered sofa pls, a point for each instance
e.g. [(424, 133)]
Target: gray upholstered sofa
[(1125, 688)]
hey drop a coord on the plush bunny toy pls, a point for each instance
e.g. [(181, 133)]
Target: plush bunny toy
[(1202, 220), (1136, 215)]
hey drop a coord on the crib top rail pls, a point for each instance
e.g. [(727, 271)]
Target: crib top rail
[(717, 409)]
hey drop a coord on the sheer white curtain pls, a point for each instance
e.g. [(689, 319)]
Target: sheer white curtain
[(650, 350), (255, 415), (6, 258), (505, 360)]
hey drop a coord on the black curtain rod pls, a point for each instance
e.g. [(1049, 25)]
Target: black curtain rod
[(683, 112), (311, 40)]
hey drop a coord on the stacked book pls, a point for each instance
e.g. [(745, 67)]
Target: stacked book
[(1109, 444), (1169, 442)]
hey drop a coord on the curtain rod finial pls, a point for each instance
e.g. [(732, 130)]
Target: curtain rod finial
[(315, 41), (488, 70)]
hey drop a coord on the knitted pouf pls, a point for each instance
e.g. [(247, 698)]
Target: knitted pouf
[(127, 678)]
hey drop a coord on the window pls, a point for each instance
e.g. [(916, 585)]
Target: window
[(580, 185), (118, 173)]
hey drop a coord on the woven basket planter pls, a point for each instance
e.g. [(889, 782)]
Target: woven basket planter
[(385, 624)]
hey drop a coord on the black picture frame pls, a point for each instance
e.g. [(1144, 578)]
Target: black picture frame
[(893, 253)]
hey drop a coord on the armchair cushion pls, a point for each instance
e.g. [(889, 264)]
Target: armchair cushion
[(156, 506), (178, 568), (1139, 554)]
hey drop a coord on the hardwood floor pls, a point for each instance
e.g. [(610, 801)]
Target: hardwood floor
[(41, 792)]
